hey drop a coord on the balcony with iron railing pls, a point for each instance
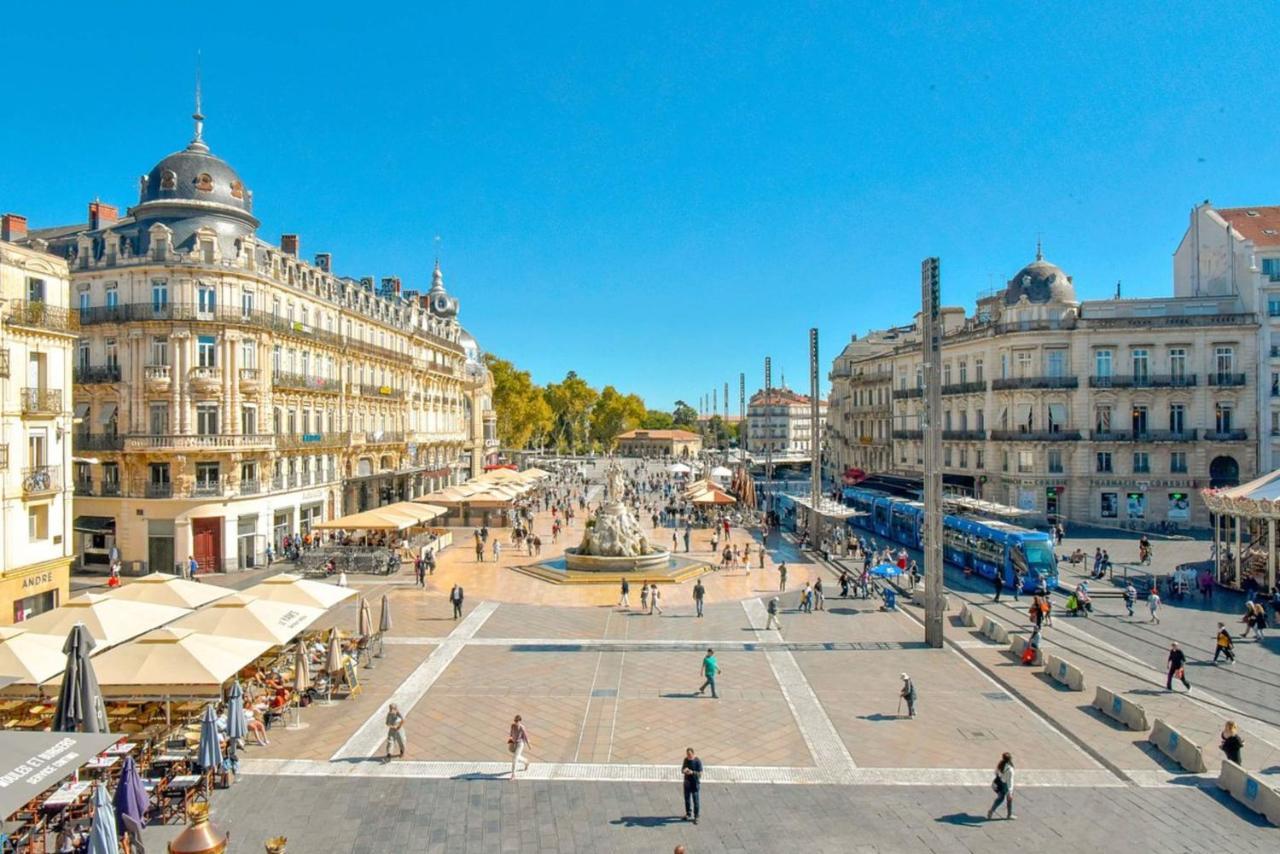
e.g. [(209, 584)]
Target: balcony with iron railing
[(383, 437), (91, 374), (97, 441), (907, 393), (41, 480), (964, 435), (285, 379), (1226, 378), (277, 482), (250, 487), (40, 315), (1035, 435), (4, 456), (383, 391), (84, 486), (41, 401), (1226, 435), (1144, 435), (1011, 383), (206, 488), (290, 441), (1143, 381), (908, 434), (213, 442), (972, 387)]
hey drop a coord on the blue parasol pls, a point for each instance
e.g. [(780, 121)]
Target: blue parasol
[(886, 570), (209, 754), (131, 798), (237, 726), (103, 838)]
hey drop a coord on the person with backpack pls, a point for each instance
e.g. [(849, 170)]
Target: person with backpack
[(1224, 646), (1002, 785)]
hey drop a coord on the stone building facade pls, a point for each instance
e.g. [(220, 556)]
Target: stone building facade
[(229, 392), (780, 423), (1114, 411)]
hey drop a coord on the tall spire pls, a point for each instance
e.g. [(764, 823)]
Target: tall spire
[(437, 278), (1039, 253), (197, 143)]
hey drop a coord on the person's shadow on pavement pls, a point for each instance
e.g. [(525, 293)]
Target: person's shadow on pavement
[(648, 820), (963, 818)]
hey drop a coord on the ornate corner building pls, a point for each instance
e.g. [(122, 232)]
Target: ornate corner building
[(228, 393)]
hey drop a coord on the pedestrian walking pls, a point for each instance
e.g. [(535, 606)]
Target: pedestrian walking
[(479, 550), (517, 743), (625, 601), (806, 599), (644, 598), (655, 599), (710, 669), (395, 731), (1232, 744), (420, 570), (497, 550), (774, 621), (1002, 785), (1177, 667), (1259, 620), (192, 566), (455, 597), (1223, 645), (1153, 604), (762, 553), (691, 771), (999, 580), (1130, 598), (819, 599), (908, 693), (698, 593), (782, 577)]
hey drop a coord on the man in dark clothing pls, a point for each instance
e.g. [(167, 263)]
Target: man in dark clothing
[(455, 596), (691, 770), (698, 593), (1177, 667), (999, 584)]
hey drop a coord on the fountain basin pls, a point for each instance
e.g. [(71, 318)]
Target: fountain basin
[(658, 558)]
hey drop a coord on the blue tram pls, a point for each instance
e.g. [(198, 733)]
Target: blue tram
[(982, 546)]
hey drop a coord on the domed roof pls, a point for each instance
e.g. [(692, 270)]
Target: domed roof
[(1040, 282), (194, 174)]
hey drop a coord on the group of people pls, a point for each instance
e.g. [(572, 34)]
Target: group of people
[(651, 597)]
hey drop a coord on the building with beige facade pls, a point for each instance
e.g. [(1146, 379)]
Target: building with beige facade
[(780, 424), (37, 339), (659, 443), (1115, 411), (229, 392)]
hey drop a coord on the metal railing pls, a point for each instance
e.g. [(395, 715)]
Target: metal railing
[(965, 387), (1226, 435), (250, 487), (907, 393), (84, 487), (908, 434), (40, 480), (97, 441), (1035, 435), (251, 441), (383, 437), (41, 315), (964, 435), (88, 374), (206, 488), (41, 401), (383, 391), (1005, 383), (157, 490), (1225, 378), (1143, 381), (285, 379)]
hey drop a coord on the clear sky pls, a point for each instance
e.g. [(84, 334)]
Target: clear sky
[(655, 194)]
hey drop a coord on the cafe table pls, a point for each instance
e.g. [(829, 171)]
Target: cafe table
[(119, 749), (99, 763), (66, 795)]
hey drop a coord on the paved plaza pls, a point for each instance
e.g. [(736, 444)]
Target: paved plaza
[(806, 741)]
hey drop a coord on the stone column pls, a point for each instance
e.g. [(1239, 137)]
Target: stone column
[(230, 543)]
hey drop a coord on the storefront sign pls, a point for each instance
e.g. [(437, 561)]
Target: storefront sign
[(312, 437), (1179, 506), (38, 580)]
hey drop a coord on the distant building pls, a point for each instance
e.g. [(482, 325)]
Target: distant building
[(659, 443), (780, 425), (37, 340)]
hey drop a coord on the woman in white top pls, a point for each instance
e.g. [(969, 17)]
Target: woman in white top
[(1003, 785), (517, 741)]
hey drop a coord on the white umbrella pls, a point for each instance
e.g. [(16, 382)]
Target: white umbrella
[(679, 468)]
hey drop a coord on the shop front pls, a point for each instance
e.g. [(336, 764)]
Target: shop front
[(35, 589)]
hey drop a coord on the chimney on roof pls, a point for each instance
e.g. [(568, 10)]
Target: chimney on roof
[(102, 215), (289, 244), (13, 227), (390, 286), (324, 260)]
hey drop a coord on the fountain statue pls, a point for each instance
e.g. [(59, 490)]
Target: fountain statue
[(613, 541)]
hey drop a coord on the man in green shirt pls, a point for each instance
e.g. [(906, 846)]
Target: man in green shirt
[(710, 669)]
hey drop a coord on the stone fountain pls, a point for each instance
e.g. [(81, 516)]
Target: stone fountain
[(614, 541)]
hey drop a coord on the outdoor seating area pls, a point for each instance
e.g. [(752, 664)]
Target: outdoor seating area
[(1244, 520), (486, 499)]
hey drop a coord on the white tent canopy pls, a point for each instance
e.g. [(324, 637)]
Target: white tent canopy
[(249, 617), (33, 658), (296, 590), (161, 588), (175, 662), (110, 620)]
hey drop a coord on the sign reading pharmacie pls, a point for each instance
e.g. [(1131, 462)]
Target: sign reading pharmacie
[(1143, 485), (32, 762)]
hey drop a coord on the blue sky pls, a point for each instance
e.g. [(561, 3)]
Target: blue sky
[(658, 195)]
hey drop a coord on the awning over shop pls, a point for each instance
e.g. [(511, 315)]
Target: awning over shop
[(108, 412), (95, 524), (34, 762), (392, 517), (82, 409)]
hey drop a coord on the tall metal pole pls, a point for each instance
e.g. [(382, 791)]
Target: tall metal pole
[(768, 427), (815, 445), (931, 432)]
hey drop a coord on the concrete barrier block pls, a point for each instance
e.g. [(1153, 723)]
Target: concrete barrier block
[(1018, 645), (1064, 672), (966, 616), (1177, 747), (1250, 790), (1118, 708), (994, 630)]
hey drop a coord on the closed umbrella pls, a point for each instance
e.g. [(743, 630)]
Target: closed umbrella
[(384, 623), (365, 631), (209, 752), (301, 677), (103, 838), (80, 707), (131, 799), (333, 661), (237, 726)]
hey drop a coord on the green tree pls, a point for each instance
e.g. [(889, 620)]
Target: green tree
[(656, 419), (524, 419), (684, 416), (570, 402), (614, 413)]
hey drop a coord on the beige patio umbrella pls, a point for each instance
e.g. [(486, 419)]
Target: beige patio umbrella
[(161, 588), (301, 678), (174, 662), (364, 618), (245, 616), (297, 590), (333, 662), (384, 623), (110, 620), (31, 657)]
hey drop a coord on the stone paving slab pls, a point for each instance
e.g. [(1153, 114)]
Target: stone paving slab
[(384, 815)]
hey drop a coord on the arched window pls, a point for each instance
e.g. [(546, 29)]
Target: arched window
[(204, 182)]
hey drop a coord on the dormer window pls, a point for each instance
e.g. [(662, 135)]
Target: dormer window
[(237, 189), (204, 182), (168, 180)]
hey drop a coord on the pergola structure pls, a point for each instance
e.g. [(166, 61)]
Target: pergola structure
[(1244, 521)]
